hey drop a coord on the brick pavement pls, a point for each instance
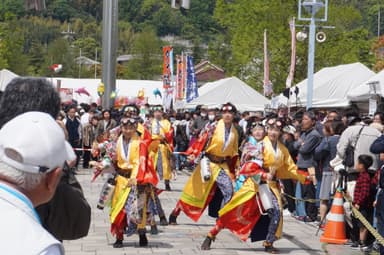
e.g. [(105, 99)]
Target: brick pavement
[(186, 238)]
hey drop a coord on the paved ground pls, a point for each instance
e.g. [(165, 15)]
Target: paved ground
[(186, 238)]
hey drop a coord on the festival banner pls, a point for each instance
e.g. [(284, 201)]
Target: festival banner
[(291, 74), (180, 78), (267, 84), (167, 77), (184, 70), (66, 95), (167, 51), (192, 91)]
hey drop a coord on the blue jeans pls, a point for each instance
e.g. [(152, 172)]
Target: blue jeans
[(179, 159)]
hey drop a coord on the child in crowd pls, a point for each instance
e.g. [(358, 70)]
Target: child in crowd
[(362, 199)]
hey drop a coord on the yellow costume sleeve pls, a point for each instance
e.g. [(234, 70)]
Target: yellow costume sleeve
[(289, 169)]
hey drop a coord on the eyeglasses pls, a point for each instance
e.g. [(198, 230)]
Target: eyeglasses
[(128, 121), (131, 109), (157, 108), (227, 108), (274, 123), (257, 124)]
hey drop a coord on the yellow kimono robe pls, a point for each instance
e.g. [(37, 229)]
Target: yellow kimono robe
[(165, 148), (127, 163), (281, 162), (196, 194)]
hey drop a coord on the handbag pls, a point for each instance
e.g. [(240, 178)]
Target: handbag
[(67, 216), (349, 158)]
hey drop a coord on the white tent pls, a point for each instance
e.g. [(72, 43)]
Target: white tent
[(362, 92), (331, 86), (231, 90), (5, 77), (128, 88)]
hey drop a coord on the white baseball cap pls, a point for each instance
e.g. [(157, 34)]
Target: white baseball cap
[(33, 142)]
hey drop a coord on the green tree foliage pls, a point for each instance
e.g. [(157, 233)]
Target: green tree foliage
[(244, 22), (10, 8), (31, 41), (147, 56)]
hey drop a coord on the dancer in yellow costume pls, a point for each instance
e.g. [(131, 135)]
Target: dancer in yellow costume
[(242, 214), (134, 181), (219, 143), (161, 147)]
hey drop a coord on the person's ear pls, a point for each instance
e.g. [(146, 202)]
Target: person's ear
[(52, 179)]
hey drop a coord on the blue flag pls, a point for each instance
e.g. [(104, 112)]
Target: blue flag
[(192, 91)]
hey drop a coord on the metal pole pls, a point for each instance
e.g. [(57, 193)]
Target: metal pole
[(96, 64), (110, 18), (311, 60), (80, 64), (378, 22)]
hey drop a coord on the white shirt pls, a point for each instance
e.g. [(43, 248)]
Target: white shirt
[(243, 123), (84, 119), (21, 231)]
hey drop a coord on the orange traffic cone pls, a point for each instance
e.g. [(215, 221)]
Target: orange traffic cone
[(335, 229)]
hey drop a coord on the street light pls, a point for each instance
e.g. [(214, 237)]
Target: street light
[(312, 7)]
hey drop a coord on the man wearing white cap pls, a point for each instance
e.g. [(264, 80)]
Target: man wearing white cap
[(33, 151)]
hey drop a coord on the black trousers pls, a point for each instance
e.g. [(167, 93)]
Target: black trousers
[(309, 192), (76, 144), (86, 156), (289, 188)]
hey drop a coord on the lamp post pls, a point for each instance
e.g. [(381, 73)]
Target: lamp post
[(312, 7), (109, 50)]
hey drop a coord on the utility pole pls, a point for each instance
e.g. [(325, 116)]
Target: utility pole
[(109, 50), (312, 7), (378, 23)]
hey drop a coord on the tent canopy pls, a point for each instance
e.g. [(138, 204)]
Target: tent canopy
[(331, 86), (362, 92), (5, 77), (232, 90)]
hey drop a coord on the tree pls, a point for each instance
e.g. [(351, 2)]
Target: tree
[(12, 8), (59, 52), (126, 37), (87, 46), (11, 49), (244, 22), (378, 50), (147, 52)]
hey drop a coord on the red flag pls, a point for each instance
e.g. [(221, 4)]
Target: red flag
[(268, 90), (291, 74), (56, 67)]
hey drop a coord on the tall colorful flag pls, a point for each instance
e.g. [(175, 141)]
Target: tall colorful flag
[(291, 74), (192, 91), (267, 84), (180, 77), (167, 76), (167, 51)]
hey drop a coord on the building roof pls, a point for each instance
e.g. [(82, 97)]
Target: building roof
[(206, 65)]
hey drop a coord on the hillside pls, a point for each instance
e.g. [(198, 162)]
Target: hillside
[(229, 33)]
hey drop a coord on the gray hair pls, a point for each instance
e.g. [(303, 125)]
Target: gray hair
[(20, 178)]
